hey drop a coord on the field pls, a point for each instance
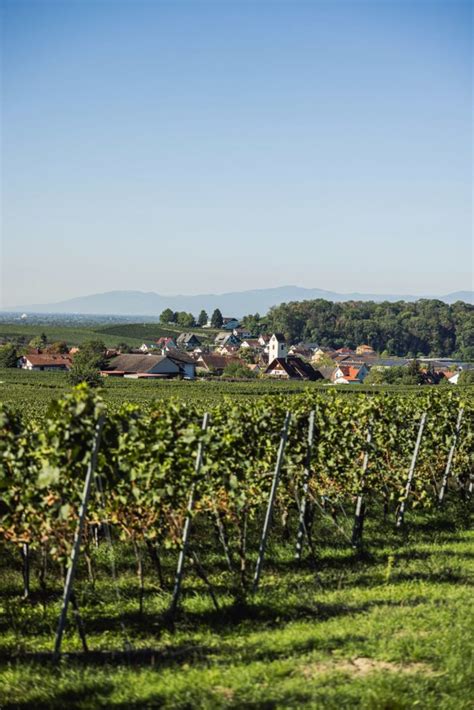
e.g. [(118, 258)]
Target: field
[(375, 620), (33, 392), (133, 334)]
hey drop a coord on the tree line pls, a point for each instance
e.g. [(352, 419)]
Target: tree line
[(187, 320), (425, 327)]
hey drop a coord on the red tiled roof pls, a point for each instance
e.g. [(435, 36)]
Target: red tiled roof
[(349, 372), (46, 360)]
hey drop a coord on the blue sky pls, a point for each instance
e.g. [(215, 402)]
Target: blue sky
[(190, 147)]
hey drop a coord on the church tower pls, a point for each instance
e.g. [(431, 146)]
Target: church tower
[(277, 347)]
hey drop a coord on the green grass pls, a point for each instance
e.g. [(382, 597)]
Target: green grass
[(131, 333), (388, 629), (72, 335)]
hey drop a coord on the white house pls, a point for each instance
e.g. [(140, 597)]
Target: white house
[(45, 361), (350, 374), (146, 347), (185, 362)]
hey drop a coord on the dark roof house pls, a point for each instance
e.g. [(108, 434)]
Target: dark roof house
[(188, 341), (141, 366), (293, 368)]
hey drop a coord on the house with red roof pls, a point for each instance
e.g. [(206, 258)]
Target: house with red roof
[(45, 361), (350, 374), (166, 343)]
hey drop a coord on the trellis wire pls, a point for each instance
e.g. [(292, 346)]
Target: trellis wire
[(325, 514)]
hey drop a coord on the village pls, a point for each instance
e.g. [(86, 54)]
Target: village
[(236, 353)]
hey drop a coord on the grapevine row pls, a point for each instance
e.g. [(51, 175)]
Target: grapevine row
[(146, 462)]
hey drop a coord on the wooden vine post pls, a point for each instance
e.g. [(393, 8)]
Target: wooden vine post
[(187, 525), (411, 473), (447, 470), (306, 476), (69, 583), (271, 501), (359, 514)]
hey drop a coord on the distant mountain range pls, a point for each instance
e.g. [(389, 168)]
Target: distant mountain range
[(238, 303)]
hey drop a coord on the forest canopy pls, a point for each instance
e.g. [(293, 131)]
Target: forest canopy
[(425, 327)]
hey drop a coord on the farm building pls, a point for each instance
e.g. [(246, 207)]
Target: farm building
[(45, 361), (144, 366), (185, 362)]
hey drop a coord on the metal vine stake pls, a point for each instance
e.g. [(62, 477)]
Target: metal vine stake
[(271, 501), (447, 470), (359, 509), (306, 476), (69, 583), (411, 473), (187, 525)]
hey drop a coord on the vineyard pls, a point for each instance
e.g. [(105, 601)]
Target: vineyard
[(215, 500), (31, 393)]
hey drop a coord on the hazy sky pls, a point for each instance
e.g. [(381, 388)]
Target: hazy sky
[(190, 147)]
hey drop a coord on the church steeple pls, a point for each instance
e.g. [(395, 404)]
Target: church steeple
[(277, 347)]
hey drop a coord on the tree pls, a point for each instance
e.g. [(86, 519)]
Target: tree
[(217, 319), (83, 370), (324, 360), (202, 320), (124, 347), (237, 369), (87, 363), (466, 377), (249, 355), (253, 323), (185, 320), (398, 375), (38, 342), (59, 346), (8, 355), (93, 350), (167, 316)]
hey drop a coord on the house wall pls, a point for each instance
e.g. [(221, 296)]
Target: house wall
[(279, 372), (189, 370), (165, 367)]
